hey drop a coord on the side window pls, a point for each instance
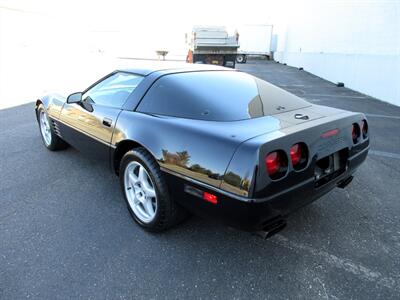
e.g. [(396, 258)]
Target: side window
[(114, 90)]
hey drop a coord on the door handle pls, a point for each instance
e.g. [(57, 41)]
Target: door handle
[(107, 122)]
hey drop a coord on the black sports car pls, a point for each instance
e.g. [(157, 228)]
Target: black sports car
[(207, 140)]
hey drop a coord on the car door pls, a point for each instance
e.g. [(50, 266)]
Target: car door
[(89, 124)]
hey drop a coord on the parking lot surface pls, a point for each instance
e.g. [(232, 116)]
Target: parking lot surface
[(65, 231)]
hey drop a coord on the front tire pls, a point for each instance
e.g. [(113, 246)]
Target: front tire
[(146, 192), (50, 140)]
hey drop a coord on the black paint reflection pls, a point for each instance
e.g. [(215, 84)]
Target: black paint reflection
[(180, 161), (236, 184)]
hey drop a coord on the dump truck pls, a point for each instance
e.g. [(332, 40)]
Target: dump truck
[(212, 45)]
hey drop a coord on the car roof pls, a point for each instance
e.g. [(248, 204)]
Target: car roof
[(146, 68)]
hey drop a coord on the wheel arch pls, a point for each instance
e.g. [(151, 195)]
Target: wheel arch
[(38, 102), (123, 147), (45, 101)]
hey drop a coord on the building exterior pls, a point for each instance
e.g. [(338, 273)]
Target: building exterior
[(354, 42)]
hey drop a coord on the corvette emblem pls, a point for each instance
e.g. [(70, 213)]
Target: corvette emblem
[(301, 117)]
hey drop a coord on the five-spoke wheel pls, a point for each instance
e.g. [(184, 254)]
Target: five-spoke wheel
[(45, 127), (146, 192), (50, 139), (140, 193)]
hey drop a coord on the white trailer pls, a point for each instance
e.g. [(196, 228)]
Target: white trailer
[(254, 40)]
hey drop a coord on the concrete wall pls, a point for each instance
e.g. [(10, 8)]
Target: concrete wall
[(355, 42)]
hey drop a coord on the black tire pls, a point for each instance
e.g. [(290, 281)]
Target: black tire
[(168, 212), (56, 142), (241, 58)]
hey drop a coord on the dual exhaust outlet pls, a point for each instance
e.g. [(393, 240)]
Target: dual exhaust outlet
[(277, 225), (271, 228)]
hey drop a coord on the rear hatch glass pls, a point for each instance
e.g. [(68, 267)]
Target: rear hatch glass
[(217, 96)]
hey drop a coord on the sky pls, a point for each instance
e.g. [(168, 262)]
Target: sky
[(67, 44), (52, 45), (139, 26)]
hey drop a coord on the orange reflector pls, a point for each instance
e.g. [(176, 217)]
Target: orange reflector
[(330, 133), (210, 198)]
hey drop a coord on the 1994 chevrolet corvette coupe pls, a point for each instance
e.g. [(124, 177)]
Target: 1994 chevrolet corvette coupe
[(207, 140)]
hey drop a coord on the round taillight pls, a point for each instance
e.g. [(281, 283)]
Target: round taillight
[(273, 163), (299, 156), (295, 154), (276, 164), (364, 128), (355, 133)]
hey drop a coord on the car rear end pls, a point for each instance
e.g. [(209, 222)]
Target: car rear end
[(292, 168), (270, 151)]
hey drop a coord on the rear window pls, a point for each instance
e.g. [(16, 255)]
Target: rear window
[(210, 95), (214, 95)]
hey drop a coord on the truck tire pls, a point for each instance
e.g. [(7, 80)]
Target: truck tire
[(241, 58)]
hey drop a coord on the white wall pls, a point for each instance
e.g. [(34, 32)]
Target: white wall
[(33, 49), (42, 53), (355, 42)]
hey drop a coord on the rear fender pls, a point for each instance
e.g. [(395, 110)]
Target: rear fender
[(240, 176), (180, 147)]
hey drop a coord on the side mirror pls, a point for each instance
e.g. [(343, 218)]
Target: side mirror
[(75, 98), (86, 105)]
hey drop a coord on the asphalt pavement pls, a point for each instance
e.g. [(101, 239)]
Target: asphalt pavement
[(65, 231)]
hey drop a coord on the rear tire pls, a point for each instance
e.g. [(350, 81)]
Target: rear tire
[(241, 58), (162, 212), (50, 140)]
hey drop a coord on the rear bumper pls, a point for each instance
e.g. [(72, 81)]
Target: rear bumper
[(256, 214)]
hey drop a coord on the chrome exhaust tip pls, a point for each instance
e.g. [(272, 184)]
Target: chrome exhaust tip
[(342, 184), (271, 229)]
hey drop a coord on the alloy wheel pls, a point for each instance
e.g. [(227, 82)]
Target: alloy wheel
[(45, 127), (140, 192)]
